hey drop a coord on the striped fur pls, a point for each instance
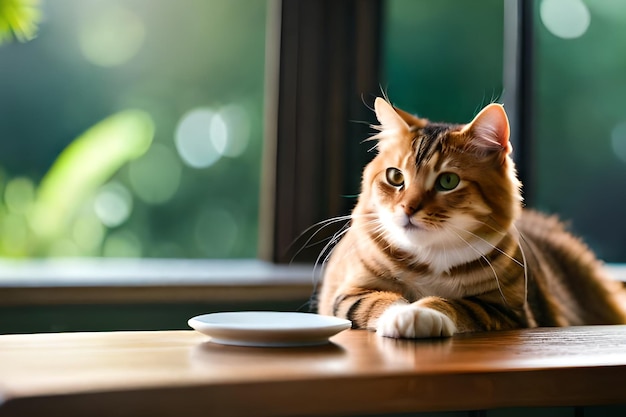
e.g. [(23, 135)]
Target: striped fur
[(424, 257)]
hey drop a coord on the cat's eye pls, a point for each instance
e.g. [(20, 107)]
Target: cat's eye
[(395, 177), (447, 181)]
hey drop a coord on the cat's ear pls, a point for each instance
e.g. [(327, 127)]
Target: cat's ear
[(490, 130), (390, 120), (413, 121)]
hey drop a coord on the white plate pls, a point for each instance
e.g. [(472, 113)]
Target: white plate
[(268, 328)]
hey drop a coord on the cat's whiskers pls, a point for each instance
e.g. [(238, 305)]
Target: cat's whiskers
[(502, 231), (379, 233), (445, 255), (519, 243), (320, 225), (335, 238), (327, 250), (481, 255), (496, 248), (332, 241), (323, 224), (373, 225)]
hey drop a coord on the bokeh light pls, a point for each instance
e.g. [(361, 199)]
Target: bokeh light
[(618, 140), (14, 236), (155, 177), (113, 204), (237, 123), (203, 135), (218, 133), (110, 35), (567, 19), (88, 232), (122, 244), (19, 194), (193, 138)]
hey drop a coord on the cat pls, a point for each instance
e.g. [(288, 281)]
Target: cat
[(439, 242)]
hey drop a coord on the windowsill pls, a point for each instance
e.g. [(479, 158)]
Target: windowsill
[(107, 281), (86, 281)]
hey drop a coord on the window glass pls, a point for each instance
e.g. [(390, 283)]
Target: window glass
[(442, 59), (580, 125), (133, 129)]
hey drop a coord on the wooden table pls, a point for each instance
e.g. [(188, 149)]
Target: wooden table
[(182, 373)]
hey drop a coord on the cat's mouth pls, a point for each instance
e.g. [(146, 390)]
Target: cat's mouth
[(411, 227), (411, 224)]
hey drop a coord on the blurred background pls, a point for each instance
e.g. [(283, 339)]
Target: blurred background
[(186, 80), (135, 128), (443, 60)]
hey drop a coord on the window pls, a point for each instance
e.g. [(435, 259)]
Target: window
[(325, 62), (440, 64), (56, 87), (134, 129), (570, 138), (579, 151)]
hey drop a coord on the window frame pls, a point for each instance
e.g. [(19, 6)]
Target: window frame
[(318, 82), (518, 82), (317, 119), (309, 58)]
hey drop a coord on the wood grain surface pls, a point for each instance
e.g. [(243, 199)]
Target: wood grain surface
[(184, 373)]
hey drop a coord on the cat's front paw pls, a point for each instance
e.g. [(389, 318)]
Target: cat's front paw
[(412, 322)]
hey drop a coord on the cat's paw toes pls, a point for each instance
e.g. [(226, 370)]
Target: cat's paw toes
[(412, 322)]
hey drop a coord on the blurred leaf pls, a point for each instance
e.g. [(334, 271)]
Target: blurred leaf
[(19, 19), (86, 164)]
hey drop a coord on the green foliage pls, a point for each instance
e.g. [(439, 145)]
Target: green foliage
[(19, 19), (159, 205), (33, 219)]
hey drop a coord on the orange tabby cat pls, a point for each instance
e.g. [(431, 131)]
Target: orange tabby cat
[(439, 244)]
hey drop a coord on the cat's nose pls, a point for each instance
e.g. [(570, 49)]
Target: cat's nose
[(411, 207)]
